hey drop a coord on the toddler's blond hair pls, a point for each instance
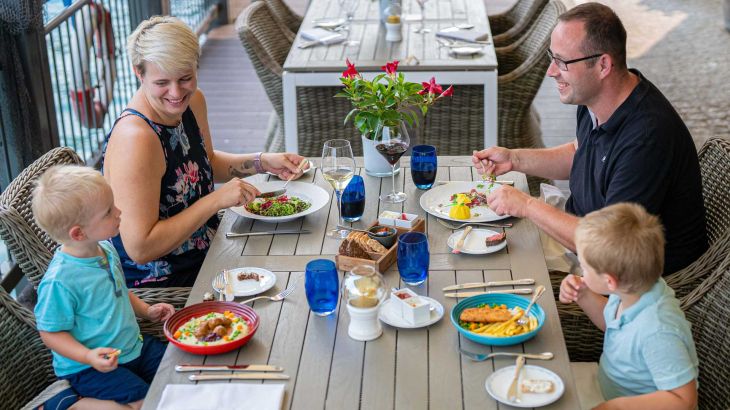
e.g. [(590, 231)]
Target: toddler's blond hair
[(66, 196), (625, 241)]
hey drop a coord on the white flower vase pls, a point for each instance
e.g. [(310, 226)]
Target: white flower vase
[(375, 164)]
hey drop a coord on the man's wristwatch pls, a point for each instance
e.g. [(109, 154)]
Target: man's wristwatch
[(257, 163)]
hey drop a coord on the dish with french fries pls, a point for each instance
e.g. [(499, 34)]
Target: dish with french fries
[(491, 319)]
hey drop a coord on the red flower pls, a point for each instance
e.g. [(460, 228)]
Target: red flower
[(351, 72), (448, 93), (390, 68), (431, 87)]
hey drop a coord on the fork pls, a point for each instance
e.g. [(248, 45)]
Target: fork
[(480, 357), (524, 319), (218, 286), (279, 296), (487, 224)]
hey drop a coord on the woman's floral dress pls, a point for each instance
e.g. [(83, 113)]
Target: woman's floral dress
[(188, 177)]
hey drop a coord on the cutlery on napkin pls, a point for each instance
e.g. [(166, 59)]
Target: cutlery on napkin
[(490, 284), (470, 36), (524, 291), (234, 368), (320, 36)]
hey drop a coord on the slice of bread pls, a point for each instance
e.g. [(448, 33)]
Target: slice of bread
[(537, 386)]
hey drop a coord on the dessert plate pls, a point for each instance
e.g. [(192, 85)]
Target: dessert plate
[(389, 315), (475, 242), (249, 287), (498, 383)]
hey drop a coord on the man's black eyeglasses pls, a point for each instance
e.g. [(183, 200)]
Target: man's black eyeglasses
[(563, 64)]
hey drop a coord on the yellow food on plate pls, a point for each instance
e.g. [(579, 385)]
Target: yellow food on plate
[(460, 210), (504, 328)]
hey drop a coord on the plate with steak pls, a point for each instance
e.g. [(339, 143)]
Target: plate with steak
[(479, 241)]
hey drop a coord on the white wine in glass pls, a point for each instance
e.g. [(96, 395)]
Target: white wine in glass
[(338, 167)]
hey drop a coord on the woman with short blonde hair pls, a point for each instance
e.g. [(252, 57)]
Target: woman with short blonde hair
[(161, 164)]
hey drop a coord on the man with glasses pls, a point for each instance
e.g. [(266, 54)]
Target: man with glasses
[(631, 144)]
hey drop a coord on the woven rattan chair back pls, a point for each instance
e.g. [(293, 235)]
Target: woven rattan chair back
[(514, 23), (708, 309), (25, 369), (714, 157), (319, 114), (284, 14), (30, 247)]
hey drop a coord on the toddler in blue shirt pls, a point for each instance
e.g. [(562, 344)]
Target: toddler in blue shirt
[(85, 313), (649, 359)]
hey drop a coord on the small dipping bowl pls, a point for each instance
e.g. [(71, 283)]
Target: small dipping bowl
[(386, 235)]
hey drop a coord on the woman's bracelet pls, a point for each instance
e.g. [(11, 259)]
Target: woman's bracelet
[(257, 163)]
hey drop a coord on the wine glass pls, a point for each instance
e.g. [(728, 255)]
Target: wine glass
[(349, 7), (338, 167), (393, 144), (422, 29)]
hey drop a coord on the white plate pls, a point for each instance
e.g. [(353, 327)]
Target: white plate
[(388, 315), (498, 383), (467, 50), (475, 243), (250, 287), (436, 201), (309, 192)]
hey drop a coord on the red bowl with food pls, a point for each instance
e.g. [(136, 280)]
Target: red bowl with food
[(211, 327)]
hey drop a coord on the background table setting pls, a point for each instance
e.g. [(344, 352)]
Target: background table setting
[(317, 350)]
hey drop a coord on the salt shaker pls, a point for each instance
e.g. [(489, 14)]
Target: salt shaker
[(393, 23)]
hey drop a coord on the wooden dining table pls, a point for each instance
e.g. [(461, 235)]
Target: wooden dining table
[(403, 368), (421, 55)]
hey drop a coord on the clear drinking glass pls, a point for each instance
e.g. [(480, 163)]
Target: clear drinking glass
[(422, 29), (349, 7), (392, 144), (338, 167)]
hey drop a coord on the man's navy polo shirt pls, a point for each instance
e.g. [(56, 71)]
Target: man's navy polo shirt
[(643, 154)]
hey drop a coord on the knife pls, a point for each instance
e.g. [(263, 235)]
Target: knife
[(497, 182), (512, 391), (235, 368), (525, 291), (282, 232), (272, 194), (323, 41), (488, 284), (238, 376)]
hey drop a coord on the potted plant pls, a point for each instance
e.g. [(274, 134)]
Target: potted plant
[(387, 101)]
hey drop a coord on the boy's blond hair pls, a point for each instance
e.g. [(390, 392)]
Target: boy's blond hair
[(165, 41), (66, 196), (625, 241)]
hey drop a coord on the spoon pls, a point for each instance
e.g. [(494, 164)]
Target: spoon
[(524, 319)]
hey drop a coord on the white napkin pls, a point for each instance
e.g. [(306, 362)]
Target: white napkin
[(323, 36), (222, 396), (554, 251), (470, 36)]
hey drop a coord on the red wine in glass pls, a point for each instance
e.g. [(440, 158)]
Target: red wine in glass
[(392, 151)]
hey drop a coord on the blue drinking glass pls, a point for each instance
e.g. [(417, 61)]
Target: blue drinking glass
[(413, 257), (423, 166), (353, 200), (322, 286)]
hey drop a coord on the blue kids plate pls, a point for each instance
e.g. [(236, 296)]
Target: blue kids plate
[(500, 299)]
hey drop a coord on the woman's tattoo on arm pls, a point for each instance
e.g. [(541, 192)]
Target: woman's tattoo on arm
[(247, 169)]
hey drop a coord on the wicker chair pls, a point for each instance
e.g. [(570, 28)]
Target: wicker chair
[(584, 340), (708, 309), (26, 368), (514, 23), (522, 67), (319, 115), (33, 249), (284, 14)]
